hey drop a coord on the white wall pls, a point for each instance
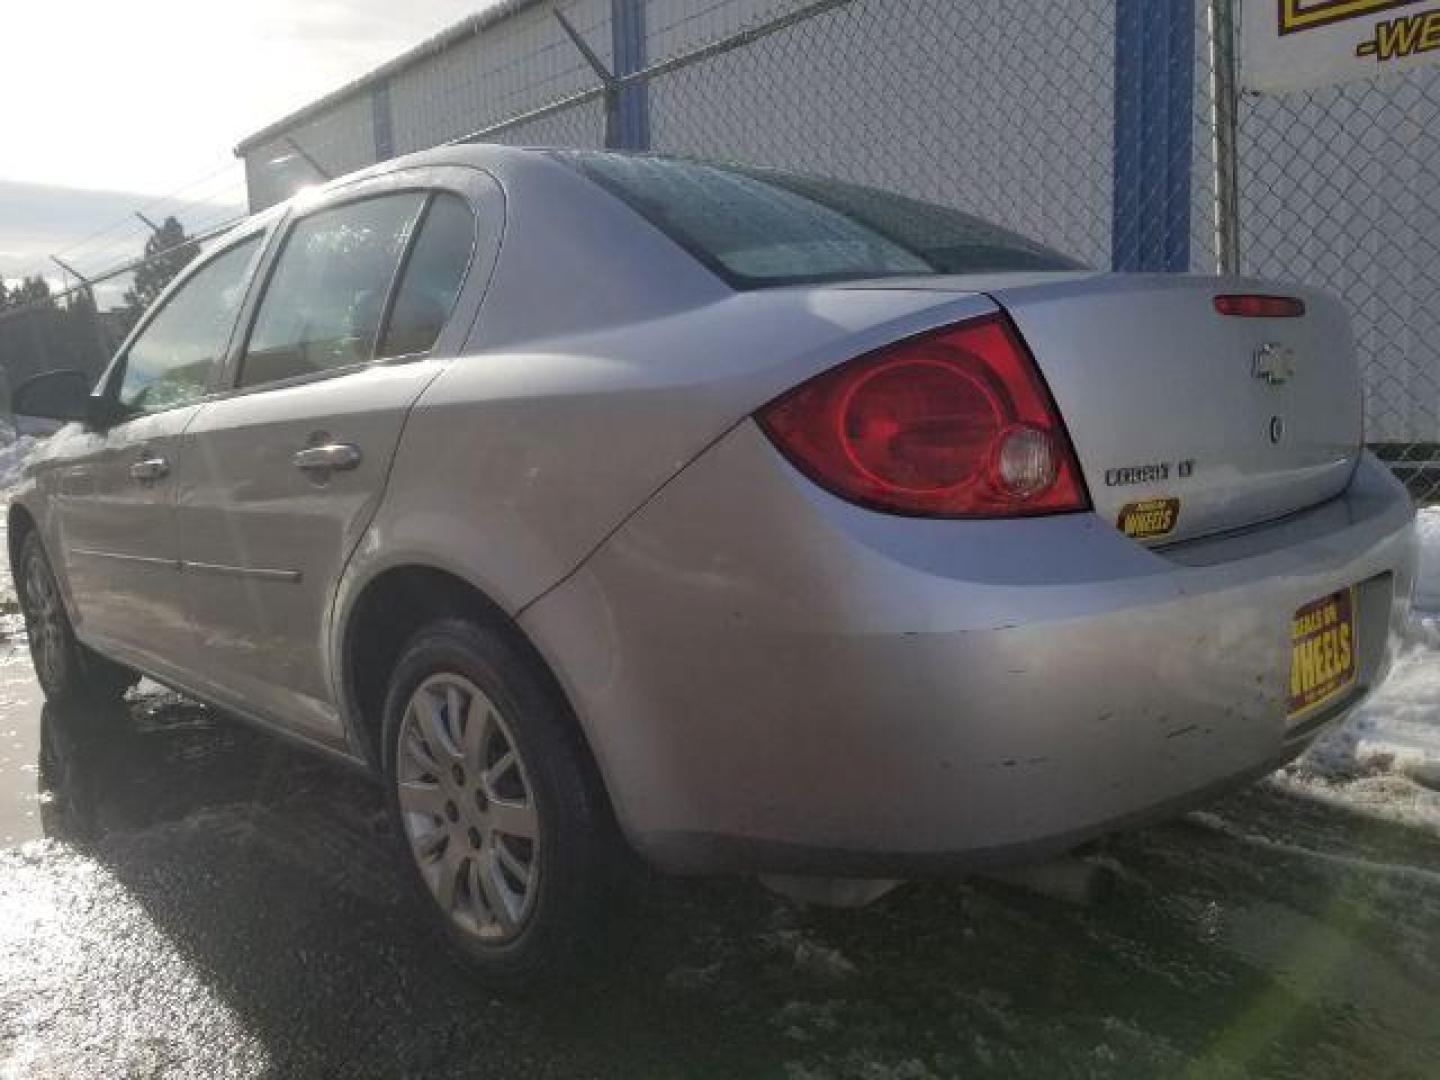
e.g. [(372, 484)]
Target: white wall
[(341, 140), (1003, 109), (999, 108), (512, 67)]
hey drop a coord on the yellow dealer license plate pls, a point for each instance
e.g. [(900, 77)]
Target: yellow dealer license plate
[(1322, 651)]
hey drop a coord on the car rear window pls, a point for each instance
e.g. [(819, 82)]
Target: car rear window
[(763, 227), (433, 275)]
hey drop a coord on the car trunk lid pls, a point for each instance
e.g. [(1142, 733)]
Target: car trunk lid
[(1187, 421)]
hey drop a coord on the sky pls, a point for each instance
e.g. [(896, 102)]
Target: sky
[(132, 104)]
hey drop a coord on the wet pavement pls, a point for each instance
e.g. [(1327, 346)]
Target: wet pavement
[(20, 703), (207, 901)]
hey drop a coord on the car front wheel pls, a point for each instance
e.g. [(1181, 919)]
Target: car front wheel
[(506, 829), (67, 670)]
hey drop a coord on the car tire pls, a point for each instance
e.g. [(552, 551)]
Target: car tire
[(503, 823), (66, 670)]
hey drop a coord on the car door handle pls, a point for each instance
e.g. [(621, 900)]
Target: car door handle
[(149, 468), (332, 457)]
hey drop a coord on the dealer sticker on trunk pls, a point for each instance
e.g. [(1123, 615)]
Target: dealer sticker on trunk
[(1149, 518), (1322, 650)]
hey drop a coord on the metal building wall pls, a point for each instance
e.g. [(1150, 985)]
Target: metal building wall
[(857, 92), (674, 27), (982, 104), (510, 68), (339, 140)]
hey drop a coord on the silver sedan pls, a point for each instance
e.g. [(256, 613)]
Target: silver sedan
[(752, 522)]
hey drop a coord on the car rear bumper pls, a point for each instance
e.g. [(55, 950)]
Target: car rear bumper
[(776, 681)]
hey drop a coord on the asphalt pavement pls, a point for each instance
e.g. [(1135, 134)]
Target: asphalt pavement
[(183, 896)]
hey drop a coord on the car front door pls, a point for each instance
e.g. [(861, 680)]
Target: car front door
[(287, 470), (116, 486)]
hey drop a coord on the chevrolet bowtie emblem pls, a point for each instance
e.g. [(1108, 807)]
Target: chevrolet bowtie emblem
[(1274, 363)]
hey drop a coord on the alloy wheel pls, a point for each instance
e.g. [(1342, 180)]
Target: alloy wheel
[(467, 808), (44, 620)]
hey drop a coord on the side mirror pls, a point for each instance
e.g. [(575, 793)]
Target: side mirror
[(61, 395)]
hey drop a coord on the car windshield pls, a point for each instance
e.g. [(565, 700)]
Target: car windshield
[(764, 227)]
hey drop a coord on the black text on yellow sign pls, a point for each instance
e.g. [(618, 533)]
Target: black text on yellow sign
[(1149, 518), (1322, 650)]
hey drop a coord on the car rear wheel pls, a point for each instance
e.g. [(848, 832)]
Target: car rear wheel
[(505, 828), (66, 670)]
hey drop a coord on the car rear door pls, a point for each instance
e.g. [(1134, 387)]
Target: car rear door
[(116, 486), (361, 306)]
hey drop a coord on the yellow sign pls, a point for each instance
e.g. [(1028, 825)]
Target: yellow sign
[(1322, 650), (1304, 14), (1149, 518), (1296, 44)]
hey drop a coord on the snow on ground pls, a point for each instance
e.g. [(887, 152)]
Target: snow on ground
[(12, 460), (1386, 757), (13, 457)]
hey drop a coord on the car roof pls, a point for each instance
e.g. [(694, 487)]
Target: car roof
[(476, 155), (492, 157)]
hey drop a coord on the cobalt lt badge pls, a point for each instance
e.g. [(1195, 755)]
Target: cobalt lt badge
[(1274, 364)]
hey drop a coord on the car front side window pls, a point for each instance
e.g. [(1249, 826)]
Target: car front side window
[(172, 361)]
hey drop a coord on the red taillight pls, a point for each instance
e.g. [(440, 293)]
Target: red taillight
[(1248, 306), (952, 424)]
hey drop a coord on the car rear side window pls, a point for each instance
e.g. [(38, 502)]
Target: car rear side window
[(325, 300), (173, 360), (763, 227), (433, 274)]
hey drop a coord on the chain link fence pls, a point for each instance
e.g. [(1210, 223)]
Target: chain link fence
[(1340, 187), (1090, 125), (1018, 131), (48, 328)]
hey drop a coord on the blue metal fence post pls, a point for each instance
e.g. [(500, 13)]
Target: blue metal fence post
[(1154, 126), (627, 35), (382, 120)]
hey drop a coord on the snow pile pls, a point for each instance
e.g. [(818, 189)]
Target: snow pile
[(1398, 730), (13, 456), (1427, 582)]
